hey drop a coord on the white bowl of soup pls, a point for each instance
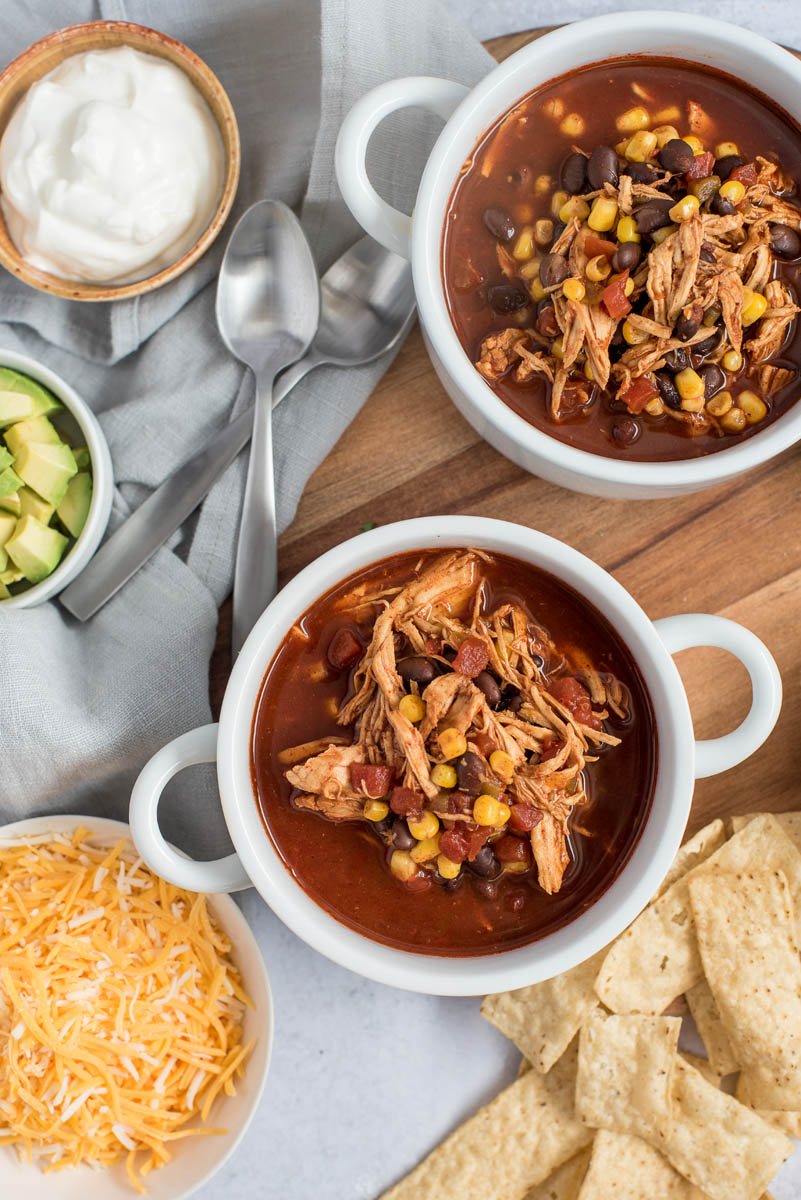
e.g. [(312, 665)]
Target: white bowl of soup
[(605, 247)]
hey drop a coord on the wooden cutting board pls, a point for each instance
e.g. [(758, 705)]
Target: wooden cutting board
[(734, 550)]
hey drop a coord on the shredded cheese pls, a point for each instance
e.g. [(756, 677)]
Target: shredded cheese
[(120, 1010)]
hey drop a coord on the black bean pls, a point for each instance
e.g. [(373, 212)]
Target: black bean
[(708, 252), (785, 241), (602, 167), (701, 349), (485, 863), (642, 172), (714, 379), (512, 700), (724, 166), (653, 215), (574, 170), (559, 228), (506, 298), (486, 889), (667, 389), (627, 256), (676, 156), (382, 828), (499, 223), (625, 431), (678, 360), (553, 269), (471, 771), (416, 669), (401, 837), (489, 686), (688, 324), (722, 207), (450, 885)]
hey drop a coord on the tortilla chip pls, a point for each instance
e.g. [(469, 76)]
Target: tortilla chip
[(543, 1019), (625, 1074), (627, 1168), (788, 1122), (694, 851), (717, 1143), (789, 821), (657, 957), (517, 1141), (565, 1183), (711, 1030), (703, 1066), (746, 934)]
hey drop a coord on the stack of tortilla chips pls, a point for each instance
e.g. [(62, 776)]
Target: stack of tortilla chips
[(606, 1107)]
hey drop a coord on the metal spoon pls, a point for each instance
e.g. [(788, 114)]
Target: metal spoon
[(367, 308)]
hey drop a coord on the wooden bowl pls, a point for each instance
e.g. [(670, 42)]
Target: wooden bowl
[(44, 56)]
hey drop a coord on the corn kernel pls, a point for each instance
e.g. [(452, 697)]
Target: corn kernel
[(412, 708), (530, 269), (502, 765), (598, 268), (447, 868), (555, 109), (632, 334), (661, 235), (719, 405), (425, 826), (666, 133), (603, 214), (543, 232), (620, 147), (732, 190), (588, 372), (402, 865), (524, 246), (537, 291), (724, 149), (641, 146), (542, 185), (318, 672), (754, 307), (633, 119), (628, 286), (753, 406), (695, 144), (558, 348), (573, 289), (685, 208), (376, 810), (489, 811), (452, 743), (444, 775), (655, 407), (557, 200), (572, 125), (734, 421), (518, 867), (732, 360), (576, 206), (712, 316), (627, 230), (670, 114), (690, 385), (425, 849)]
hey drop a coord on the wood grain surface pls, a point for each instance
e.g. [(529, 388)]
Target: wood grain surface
[(733, 550)]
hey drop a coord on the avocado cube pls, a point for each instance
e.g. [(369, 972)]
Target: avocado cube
[(14, 406), (46, 468), (35, 549), (11, 503), (83, 460), (6, 458), (9, 482), (42, 399), (8, 524), (35, 429), (31, 505), (74, 508), (10, 575)]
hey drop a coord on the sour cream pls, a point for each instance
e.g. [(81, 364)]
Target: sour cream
[(110, 168)]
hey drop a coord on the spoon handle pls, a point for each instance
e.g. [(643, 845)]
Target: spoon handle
[(256, 570)]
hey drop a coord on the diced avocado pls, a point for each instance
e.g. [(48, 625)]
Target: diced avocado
[(11, 575), (35, 429), (35, 549), (43, 400), (74, 508), (6, 458), (82, 457), (46, 468), (31, 505), (9, 482), (7, 526), (14, 406), (11, 503)]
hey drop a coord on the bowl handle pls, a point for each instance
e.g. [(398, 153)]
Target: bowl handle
[(700, 629), (386, 224), (218, 875)]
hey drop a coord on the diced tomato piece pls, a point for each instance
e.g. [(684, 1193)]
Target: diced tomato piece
[(484, 742), (616, 302), (472, 658), (433, 646), (576, 699), (478, 838), (460, 802), (551, 750), (405, 801), (420, 882), (524, 817), (454, 844), (746, 174), (512, 849), (702, 165), (595, 245), (344, 649), (637, 395), (371, 779)]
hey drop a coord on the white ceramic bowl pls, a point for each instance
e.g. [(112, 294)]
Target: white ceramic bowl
[(681, 760), (469, 114), (194, 1160), (85, 423)]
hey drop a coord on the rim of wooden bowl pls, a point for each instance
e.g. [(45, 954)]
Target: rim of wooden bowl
[(43, 57)]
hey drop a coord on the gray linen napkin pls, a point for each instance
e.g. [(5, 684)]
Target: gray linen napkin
[(83, 706)]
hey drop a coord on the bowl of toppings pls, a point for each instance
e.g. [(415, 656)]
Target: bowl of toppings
[(455, 755), (119, 161), (56, 482), (136, 1019), (606, 250)]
